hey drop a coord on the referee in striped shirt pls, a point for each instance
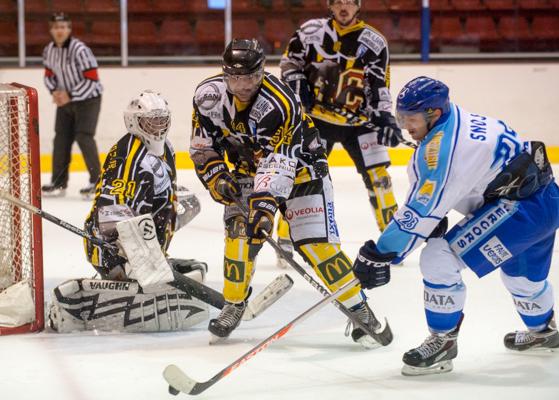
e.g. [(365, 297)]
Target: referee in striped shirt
[(71, 77)]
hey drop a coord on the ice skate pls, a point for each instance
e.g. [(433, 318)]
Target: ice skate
[(88, 192), (52, 190), (365, 315), (229, 318), (286, 246), (546, 339), (434, 356)]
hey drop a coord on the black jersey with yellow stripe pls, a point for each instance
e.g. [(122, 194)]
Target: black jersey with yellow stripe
[(146, 183), (345, 67), (244, 133)]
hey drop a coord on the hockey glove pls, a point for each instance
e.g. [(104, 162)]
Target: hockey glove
[(218, 180), (300, 85), (371, 267), (389, 134), (262, 209)]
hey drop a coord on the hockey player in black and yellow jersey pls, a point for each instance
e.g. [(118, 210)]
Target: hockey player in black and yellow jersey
[(338, 65), (254, 120), (139, 177)]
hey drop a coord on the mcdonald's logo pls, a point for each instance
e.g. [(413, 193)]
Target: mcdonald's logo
[(234, 271), (335, 268)]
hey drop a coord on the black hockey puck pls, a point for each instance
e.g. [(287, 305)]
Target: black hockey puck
[(173, 391)]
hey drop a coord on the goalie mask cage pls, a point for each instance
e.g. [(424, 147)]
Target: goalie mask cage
[(21, 259)]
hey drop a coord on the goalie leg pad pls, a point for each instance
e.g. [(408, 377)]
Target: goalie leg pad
[(105, 305), (333, 267), (146, 261)]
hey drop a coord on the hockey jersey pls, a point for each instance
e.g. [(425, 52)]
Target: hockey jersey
[(346, 67), (133, 176), (269, 138), (450, 169)]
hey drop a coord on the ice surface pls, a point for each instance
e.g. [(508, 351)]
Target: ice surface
[(314, 361)]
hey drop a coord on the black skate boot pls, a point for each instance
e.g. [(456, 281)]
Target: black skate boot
[(52, 190), (365, 315), (287, 246), (434, 356), (547, 339), (88, 192), (229, 318)]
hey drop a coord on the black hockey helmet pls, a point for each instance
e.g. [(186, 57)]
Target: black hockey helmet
[(330, 2), (243, 57)]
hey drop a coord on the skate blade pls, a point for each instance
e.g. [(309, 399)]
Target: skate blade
[(438, 368), (216, 339)]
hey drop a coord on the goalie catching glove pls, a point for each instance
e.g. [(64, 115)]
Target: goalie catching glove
[(262, 210), (218, 180), (371, 267)]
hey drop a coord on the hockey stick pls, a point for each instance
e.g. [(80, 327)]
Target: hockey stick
[(360, 120), (263, 300), (383, 337), (180, 382)]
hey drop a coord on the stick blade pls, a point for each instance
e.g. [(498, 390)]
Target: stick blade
[(178, 379)]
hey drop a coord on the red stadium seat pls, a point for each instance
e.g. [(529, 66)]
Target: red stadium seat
[(174, 31), (246, 28), (243, 6), (8, 33), (197, 6), (142, 33), (468, 5), (481, 28), (8, 6), (386, 27), (404, 5), (102, 6), (67, 6), (446, 28), (210, 31), (37, 6), (410, 28), (78, 30), (500, 4), (171, 6), (277, 32), (140, 6), (105, 33), (534, 4), (373, 5), (514, 28), (37, 33), (546, 27), (441, 5)]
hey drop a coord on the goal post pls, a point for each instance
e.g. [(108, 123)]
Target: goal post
[(21, 257)]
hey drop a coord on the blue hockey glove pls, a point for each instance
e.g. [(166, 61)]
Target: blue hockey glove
[(389, 134), (300, 85), (371, 267), (262, 209)]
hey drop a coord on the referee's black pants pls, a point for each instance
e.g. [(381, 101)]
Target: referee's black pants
[(76, 121)]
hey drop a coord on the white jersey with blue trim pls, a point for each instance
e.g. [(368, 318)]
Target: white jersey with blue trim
[(450, 169)]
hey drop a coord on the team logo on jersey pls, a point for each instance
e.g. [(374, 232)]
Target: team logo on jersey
[(260, 109), (432, 151), (425, 192), (372, 40), (208, 97), (311, 27)]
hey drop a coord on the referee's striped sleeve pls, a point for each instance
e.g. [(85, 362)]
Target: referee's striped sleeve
[(87, 68), (49, 77)]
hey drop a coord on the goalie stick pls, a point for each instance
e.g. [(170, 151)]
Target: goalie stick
[(384, 336), (180, 382), (268, 296), (359, 120)]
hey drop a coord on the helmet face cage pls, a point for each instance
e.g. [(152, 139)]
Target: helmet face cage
[(154, 124)]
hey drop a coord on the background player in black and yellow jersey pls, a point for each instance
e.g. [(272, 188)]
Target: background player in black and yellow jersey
[(338, 65), (138, 177), (250, 117)]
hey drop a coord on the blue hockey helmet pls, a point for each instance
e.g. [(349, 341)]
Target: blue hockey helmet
[(423, 95)]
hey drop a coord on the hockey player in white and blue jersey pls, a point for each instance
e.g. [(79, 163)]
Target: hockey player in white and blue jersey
[(504, 186)]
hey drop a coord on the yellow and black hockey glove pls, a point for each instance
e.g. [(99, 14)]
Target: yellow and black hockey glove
[(218, 180), (262, 209)]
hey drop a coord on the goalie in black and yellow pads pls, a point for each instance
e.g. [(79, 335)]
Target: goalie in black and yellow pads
[(253, 119)]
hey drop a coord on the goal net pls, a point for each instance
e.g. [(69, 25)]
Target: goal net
[(21, 280)]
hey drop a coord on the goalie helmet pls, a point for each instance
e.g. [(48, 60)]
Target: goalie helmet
[(148, 117)]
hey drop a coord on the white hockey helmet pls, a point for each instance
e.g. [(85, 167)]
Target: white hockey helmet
[(148, 117)]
